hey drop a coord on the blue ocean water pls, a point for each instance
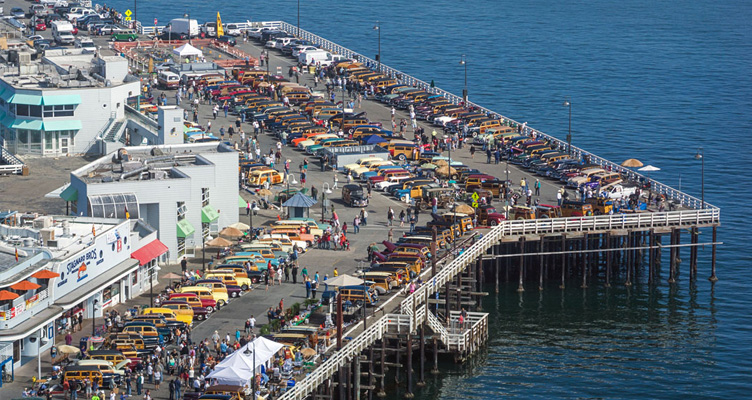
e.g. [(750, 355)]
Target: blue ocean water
[(647, 80)]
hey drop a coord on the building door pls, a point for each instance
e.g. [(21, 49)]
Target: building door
[(64, 145)]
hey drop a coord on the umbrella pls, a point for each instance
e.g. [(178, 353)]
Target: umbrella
[(343, 280), (171, 276), (67, 349), (446, 170), (649, 168), (265, 192), (464, 209), (220, 242), (429, 166), (45, 274), (632, 163), (240, 225), (231, 232), (25, 285), (6, 295)]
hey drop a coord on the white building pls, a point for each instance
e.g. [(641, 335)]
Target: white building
[(67, 102), (185, 191), (92, 264)]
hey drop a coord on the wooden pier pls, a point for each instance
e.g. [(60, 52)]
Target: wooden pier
[(598, 250)]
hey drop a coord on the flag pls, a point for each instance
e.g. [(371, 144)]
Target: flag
[(220, 31), (16, 254), (127, 214), (93, 231)]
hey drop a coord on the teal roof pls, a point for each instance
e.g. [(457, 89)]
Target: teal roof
[(7, 95), (69, 194), (30, 99), (7, 120), (65, 125), (50, 100), (21, 123)]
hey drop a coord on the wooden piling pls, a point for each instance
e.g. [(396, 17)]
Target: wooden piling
[(382, 369), (713, 276), (563, 260), (356, 377), (497, 264), (422, 345), (628, 256), (541, 259), (694, 239), (409, 368), (435, 370), (521, 288), (586, 264), (672, 261), (608, 259)]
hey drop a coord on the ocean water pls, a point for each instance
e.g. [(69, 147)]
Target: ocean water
[(648, 80)]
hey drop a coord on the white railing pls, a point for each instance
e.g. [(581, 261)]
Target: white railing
[(13, 164), (413, 306), (131, 112), (671, 193)]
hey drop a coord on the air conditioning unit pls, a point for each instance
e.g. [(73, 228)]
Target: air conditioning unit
[(48, 235), (42, 222)]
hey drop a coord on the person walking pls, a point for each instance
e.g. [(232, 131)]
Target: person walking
[(294, 274), (335, 180), (390, 216), (356, 224), (308, 288), (537, 187), (402, 217)]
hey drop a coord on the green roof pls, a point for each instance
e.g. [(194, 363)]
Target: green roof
[(241, 202), (50, 100), (30, 99), (209, 214), (69, 194), (65, 125), (22, 123), (185, 228)]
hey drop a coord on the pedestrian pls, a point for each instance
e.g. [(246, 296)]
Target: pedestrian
[(139, 383), (314, 286), (294, 274), (390, 235), (172, 390), (402, 217), (335, 180), (157, 378), (390, 216), (308, 288), (363, 217), (537, 187), (215, 111), (356, 224)]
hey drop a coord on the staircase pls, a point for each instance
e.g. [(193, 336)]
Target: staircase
[(9, 163), (113, 130)]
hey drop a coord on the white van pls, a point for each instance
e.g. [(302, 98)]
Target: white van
[(322, 57), (86, 44), (62, 32), (168, 80)]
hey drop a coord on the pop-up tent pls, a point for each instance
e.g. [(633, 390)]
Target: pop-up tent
[(237, 369), (187, 50)]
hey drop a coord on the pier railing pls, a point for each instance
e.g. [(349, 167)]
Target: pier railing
[(679, 197)]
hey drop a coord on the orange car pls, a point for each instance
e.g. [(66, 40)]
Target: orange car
[(295, 234)]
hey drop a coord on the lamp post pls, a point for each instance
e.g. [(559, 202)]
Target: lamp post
[(569, 135), (365, 299), (248, 352), (203, 250), (188, 17), (377, 27), (506, 192), (464, 91), (151, 287), (700, 155), (94, 317), (298, 18)]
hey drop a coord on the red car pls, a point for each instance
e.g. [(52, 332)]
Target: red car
[(41, 26)]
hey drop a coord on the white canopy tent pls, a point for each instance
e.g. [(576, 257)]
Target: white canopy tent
[(237, 369), (187, 50)]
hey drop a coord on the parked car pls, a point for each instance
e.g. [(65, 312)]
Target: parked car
[(40, 26), (227, 39), (17, 12)]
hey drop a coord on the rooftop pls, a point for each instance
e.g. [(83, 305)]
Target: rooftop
[(148, 162), (41, 238), (24, 68)]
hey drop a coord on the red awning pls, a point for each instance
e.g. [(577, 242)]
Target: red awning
[(149, 252)]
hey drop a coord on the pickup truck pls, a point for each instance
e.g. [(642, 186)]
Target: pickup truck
[(617, 190)]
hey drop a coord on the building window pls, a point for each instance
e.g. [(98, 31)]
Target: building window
[(181, 247), (204, 197), (134, 278), (59, 111), (182, 210)]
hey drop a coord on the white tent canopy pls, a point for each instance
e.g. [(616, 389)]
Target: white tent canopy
[(343, 280), (187, 50), (237, 369)]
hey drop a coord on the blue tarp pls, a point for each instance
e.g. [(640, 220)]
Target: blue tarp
[(374, 139)]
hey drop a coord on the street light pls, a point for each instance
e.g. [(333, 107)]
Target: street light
[(298, 18), (94, 317), (701, 156), (377, 27), (248, 352), (203, 250), (569, 135), (365, 299), (464, 91), (188, 17), (151, 288)]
